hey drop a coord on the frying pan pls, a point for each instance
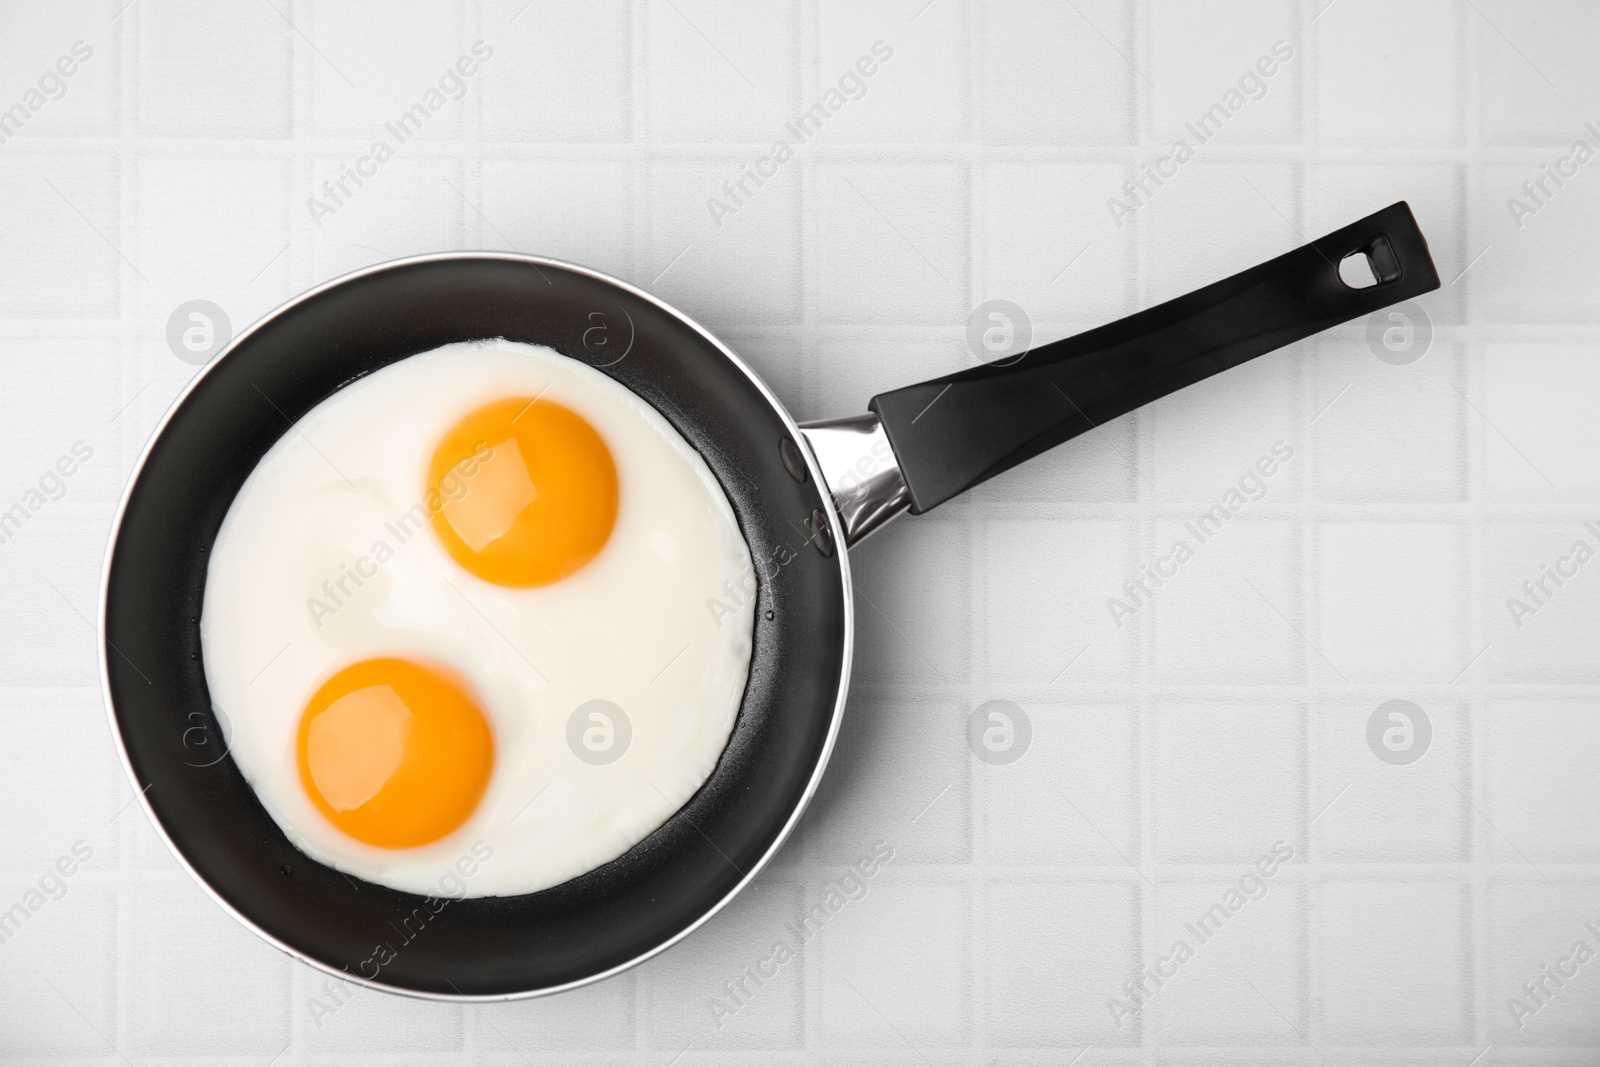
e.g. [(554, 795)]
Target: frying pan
[(802, 495)]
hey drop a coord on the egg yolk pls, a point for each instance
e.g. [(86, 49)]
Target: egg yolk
[(527, 492), (394, 753)]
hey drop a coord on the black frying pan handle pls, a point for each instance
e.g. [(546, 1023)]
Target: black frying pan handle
[(951, 433)]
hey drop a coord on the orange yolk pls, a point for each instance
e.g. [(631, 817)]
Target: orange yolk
[(394, 753), (526, 492)]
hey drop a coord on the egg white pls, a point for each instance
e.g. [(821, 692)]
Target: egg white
[(646, 624)]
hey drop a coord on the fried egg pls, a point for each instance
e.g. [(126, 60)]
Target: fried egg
[(483, 610)]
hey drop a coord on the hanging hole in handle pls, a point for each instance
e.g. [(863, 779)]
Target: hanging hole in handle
[(1373, 264), (1358, 271), (1381, 258)]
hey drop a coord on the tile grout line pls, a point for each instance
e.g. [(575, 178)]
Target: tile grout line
[(1469, 44), (126, 49), (1141, 33), (976, 894), (976, 897), (1311, 569), (1140, 41), (641, 252)]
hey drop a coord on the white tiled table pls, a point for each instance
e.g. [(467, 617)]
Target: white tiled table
[(1229, 714)]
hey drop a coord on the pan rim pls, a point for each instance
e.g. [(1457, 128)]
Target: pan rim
[(835, 525)]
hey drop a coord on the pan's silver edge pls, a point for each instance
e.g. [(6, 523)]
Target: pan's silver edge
[(834, 521)]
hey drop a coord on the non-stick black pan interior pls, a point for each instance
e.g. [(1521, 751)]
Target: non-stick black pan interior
[(484, 946)]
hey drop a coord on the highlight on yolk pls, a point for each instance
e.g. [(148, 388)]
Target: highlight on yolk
[(527, 492), (394, 753)]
